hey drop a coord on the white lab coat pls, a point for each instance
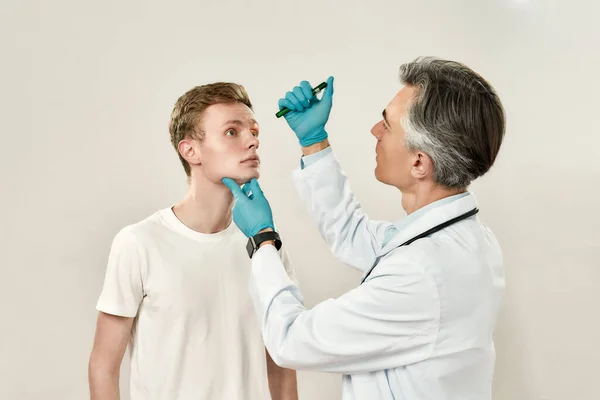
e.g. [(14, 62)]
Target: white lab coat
[(421, 325)]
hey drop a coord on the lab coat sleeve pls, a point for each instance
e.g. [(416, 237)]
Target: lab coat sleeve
[(390, 321), (352, 237)]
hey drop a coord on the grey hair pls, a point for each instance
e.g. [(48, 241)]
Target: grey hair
[(455, 117)]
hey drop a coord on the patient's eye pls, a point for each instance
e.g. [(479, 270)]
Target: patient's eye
[(231, 132)]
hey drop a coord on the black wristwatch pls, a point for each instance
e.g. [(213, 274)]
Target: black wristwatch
[(256, 240)]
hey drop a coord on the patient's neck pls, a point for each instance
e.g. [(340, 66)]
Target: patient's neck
[(206, 208)]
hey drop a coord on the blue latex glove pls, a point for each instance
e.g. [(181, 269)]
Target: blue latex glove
[(251, 210), (308, 114)]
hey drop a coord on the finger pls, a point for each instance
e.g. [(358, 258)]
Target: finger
[(329, 89), (301, 97), (307, 90), (292, 99), (255, 187), (234, 187), (285, 103)]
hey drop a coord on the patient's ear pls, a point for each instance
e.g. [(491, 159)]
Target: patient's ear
[(190, 151)]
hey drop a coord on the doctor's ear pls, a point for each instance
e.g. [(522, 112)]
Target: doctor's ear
[(422, 165), (190, 151)]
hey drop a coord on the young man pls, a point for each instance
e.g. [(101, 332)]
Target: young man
[(176, 285)]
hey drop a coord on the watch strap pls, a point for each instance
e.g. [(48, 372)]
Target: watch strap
[(255, 241)]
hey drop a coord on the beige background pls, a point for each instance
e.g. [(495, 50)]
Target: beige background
[(86, 91)]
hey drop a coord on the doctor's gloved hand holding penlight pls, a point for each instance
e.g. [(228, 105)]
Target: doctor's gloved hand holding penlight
[(307, 114), (316, 90)]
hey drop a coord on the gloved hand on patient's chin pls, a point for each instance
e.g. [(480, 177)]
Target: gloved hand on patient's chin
[(251, 211), (308, 114)]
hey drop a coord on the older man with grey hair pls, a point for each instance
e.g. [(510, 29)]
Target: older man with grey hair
[(420, 324)]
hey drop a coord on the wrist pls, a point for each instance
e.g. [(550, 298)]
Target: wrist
[(266, 242), (268, 227), (315, 148), (313, 137)]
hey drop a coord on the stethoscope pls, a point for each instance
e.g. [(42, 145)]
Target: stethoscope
[(435, 229)]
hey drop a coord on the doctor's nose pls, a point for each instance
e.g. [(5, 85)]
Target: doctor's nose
[(377, 130)]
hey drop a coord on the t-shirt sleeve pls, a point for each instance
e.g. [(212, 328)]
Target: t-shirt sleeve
[(123, 287)]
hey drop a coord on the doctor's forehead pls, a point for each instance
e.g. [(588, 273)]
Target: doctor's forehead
[(397, 108)]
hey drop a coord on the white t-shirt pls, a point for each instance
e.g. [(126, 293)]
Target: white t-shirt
[(195, 335)]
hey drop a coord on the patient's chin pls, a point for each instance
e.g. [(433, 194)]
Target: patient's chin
[(245, 177), (249, 175)]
